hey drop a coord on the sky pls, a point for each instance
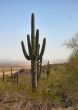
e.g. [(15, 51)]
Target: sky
[(57, 21)]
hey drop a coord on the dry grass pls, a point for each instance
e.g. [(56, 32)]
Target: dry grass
[(60, 89)]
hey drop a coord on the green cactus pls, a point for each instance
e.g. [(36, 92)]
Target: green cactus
[(39, 64), (3, 76), (17, 77), (11, 72), (39, 68), (48, 69), (33, 47)]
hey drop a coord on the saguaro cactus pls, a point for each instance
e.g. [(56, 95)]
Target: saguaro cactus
[(3, 76), (11, 72), (33, 47), (39, 64), (39, 68), (48, 69), (17, 77)]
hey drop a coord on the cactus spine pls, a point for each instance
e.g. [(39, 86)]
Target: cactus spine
[(33, 47)]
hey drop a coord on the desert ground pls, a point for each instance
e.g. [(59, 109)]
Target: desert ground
[(57, 92)]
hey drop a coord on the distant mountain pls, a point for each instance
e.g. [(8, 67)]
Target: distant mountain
[(25, 64), (13, 63)]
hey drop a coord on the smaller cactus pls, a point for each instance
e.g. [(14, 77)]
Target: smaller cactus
[(11, 72), (3, 76), (17, 78), (48, 69), (39, 68)]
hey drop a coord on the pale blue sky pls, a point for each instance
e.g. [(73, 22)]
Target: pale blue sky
[(57, 20)]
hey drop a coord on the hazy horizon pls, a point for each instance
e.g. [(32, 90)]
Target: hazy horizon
[(57, 20), (28, 63)]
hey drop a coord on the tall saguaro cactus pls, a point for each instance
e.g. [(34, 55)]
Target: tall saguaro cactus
[(33, 47)]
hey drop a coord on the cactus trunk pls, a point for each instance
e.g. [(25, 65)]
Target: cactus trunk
[(34, 73)]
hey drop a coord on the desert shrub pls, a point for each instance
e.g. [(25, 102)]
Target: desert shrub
[(73, 59), (73, 45)]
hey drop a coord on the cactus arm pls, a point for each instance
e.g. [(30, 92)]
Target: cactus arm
[(24, 51), (33, 32), (32, 26), (29, 46), (42, 50), (37, 42)]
